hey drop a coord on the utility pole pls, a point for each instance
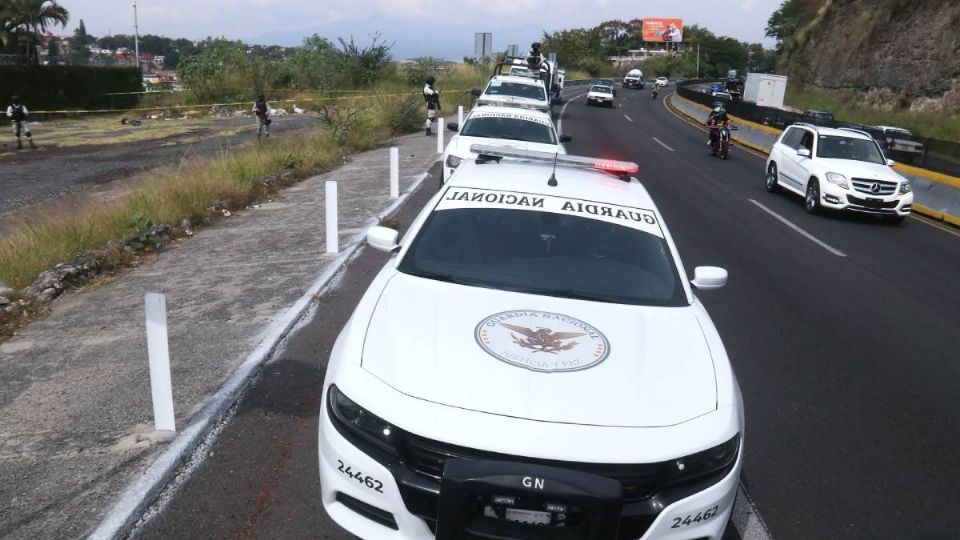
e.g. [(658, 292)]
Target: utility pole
[(698, 59), (136, 35)]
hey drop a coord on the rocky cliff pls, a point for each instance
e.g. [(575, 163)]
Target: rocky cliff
[(894, 53)]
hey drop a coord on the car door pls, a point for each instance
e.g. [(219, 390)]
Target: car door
[(796, 165), (786, 154)]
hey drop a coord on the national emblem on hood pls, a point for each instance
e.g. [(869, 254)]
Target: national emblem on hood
[(542, 341)]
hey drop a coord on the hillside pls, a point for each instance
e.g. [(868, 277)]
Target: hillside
[(892, 53)]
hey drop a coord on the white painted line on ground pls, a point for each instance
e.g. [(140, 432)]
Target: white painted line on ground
[(563, 110), (661, 143), (746, 519), (628, 118), (131, 504), (802, 232)]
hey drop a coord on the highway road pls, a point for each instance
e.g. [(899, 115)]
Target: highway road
[(844, 333)]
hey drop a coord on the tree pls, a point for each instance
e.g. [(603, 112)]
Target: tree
[(81, 38), (784, 22), (29, 19)]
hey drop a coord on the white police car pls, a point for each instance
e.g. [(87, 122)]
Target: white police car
[(532, 362), (515, 91), (510, 127)]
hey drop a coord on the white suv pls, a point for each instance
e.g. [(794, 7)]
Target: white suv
[(839, 169), (532, 362)]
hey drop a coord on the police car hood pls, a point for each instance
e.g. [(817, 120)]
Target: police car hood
[(539, 357)]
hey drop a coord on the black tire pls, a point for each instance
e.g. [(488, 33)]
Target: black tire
[(811, 201), (772, 180)]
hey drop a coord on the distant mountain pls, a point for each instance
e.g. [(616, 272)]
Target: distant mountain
[(412, 40)]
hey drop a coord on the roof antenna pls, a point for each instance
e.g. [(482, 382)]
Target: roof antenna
[(552, 182)]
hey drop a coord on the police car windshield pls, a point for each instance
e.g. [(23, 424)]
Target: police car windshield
[(515, 129), (833, 147), (529, 91), (547, 253)]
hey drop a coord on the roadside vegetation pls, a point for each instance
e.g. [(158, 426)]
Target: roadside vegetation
[(848, 107), (385, 102)]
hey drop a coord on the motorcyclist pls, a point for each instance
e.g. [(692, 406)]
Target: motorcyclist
[(432, 97), (654, 92), (718, 118)]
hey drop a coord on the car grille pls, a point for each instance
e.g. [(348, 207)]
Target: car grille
[(871, 204), (427, 457), (864, 185)]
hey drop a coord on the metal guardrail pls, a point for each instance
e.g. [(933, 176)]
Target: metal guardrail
[(938, 155)]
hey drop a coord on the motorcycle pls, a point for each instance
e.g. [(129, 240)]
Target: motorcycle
[(720, 141), (653, 93)]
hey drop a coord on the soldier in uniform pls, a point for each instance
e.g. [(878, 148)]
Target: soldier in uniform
[(17, 113), (432, 97)]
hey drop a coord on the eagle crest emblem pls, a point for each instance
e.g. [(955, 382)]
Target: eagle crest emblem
[(543, 339)]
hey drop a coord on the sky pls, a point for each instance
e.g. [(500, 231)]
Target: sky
[(414, 27)]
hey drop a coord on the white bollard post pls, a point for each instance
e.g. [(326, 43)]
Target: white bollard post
[(460, 115), (161, 389), (394, 172), (333, 241), (440, 128)]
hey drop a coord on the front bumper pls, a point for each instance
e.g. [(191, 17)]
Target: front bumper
[(837, 198), (374, 495)]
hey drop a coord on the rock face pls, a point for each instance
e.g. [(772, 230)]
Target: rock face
[(897, 53)]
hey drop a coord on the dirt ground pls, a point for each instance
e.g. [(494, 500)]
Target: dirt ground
[(84, 157)]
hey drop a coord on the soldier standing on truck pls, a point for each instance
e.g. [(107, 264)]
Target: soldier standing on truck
[(17, 113), (432, 97)]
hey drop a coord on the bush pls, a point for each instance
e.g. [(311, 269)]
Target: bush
[(70, 87)]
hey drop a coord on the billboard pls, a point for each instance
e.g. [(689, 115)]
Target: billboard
[(670, 30)]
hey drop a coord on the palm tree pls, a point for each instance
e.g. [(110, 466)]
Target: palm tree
[(30, 18)]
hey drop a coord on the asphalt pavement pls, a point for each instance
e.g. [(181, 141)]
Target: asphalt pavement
[(847, 357), (843, 332)]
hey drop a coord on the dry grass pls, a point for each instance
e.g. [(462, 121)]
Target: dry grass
[(232, 178), (169, 195)]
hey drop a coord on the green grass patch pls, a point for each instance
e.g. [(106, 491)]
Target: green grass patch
[(234, 178), (846, 107)]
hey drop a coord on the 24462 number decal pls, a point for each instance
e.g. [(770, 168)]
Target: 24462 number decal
[(363, 479), (693, 519)]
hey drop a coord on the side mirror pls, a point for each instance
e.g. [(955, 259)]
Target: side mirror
[(383, 238), (453, 126), (566, 138), (803, 152), (706, 278), (890, 162), (475, 92)]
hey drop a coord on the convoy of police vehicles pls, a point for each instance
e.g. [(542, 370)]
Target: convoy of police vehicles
[(533, 361)]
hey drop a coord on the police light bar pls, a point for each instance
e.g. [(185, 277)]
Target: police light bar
[(619, 168)]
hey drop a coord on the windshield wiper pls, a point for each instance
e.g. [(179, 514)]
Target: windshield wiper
[(440, 276), (578, 295)]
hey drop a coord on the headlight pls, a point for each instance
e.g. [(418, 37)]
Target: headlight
[(357, 421), (838, 179), (453, 161), (906, 187), (705, 463)]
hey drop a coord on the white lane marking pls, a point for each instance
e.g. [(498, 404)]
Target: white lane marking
[(746, 519), (628, 118), (661, 143), (802, 232), (564, 110)]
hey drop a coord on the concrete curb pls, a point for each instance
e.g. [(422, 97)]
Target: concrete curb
[(139, 494), (940, 187)]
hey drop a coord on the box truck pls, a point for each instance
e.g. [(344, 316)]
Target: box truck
[(765, 89)]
